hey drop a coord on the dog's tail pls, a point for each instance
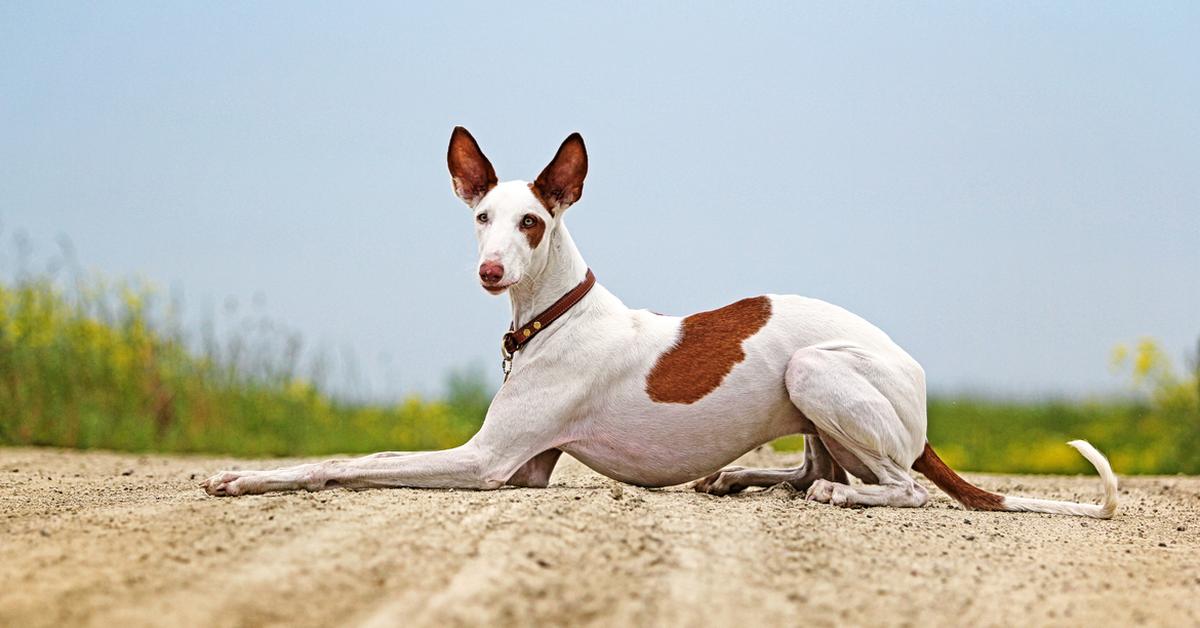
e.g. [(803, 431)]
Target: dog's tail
[(974, 498)]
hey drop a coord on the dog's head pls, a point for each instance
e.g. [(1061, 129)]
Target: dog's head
[(515, 220)]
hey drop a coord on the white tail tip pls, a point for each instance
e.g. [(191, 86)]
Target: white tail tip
[(1108, 480)]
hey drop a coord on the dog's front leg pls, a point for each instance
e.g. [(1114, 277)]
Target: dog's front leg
[(536, 472), (524, 425), (467, 466)]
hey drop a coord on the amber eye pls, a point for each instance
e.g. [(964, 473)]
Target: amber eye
[(481, 218), (528, 222)]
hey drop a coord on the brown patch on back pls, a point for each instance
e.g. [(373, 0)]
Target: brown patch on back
[(535, 233), (970, 496), (709, 345)]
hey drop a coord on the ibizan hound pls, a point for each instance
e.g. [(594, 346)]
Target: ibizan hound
[(658, 400)]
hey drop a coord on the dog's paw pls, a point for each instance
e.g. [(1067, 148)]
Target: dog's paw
[(820, 491), (832, 493), (842, 496), (225, 484), (723, 482)]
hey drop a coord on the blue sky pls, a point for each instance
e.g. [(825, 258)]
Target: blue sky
[(1007, 189)]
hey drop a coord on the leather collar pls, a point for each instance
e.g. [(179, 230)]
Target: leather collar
[(515, 339)]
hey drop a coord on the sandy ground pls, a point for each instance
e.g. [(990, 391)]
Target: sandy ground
[(101, 539)]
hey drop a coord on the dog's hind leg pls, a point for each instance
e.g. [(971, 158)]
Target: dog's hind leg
[(869, 409), (818, 464)]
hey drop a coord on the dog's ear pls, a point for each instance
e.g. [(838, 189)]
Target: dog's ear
[(470, 170), (561, 183)]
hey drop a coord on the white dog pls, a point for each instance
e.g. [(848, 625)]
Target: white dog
[(657, 400)]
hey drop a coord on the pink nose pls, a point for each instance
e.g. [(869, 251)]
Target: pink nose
[(490, 273)]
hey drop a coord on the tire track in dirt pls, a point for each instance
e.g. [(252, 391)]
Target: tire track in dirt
[(529, 564), (711, 565)]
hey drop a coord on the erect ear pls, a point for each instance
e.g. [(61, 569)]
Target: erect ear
[(561, 183), (470, 170)]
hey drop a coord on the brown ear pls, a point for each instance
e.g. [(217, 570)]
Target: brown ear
[(470, 170), (561, 183)]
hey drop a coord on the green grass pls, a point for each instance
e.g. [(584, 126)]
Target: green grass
[(1030, 437), (101, 367), (104, 366)]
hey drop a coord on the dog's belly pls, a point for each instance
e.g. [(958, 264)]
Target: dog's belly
[(680, 446)]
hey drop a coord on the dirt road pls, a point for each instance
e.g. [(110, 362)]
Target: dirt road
[(102, 539)]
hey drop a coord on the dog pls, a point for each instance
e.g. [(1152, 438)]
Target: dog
[(657, 400)]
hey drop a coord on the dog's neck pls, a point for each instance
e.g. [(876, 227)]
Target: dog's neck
[(564, 269)]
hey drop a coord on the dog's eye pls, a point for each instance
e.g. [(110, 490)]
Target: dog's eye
[(528, 222), (481, 218)]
